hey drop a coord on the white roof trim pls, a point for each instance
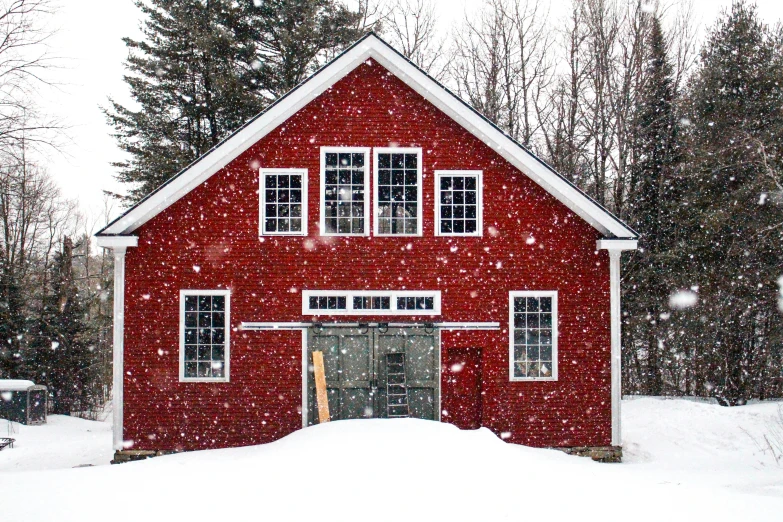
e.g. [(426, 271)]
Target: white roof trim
[(616, 244), (369, 47), (117, 241)]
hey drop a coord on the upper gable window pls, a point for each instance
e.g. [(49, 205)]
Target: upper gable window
[(283, 202), (398, 192), (458, 205), (344, 184)]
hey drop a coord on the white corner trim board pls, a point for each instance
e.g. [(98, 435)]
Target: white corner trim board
[(119, 244), (371, 46), (615, 248), (119, 350)]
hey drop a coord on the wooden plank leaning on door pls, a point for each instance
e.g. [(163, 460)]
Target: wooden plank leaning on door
[(320, 387)]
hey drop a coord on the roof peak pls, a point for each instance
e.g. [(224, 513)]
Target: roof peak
[(370, 45)]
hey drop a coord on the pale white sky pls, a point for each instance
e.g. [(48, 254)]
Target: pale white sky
[(90, 39)]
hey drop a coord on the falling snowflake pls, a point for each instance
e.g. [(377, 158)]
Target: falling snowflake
[(682, 299)]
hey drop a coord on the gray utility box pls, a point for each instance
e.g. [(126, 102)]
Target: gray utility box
[(22, 401)]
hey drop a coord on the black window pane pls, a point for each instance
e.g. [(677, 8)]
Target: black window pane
[(270, 225), (331, 159), (341, 303), (191, 301), (358, 160), (411, 161), (546, 304), (282, 181), (218, 353), (384, 161), (271, 181), (532, 304), (218, 303), (296, 181), (218, 319), (191, 319), (398, 161)]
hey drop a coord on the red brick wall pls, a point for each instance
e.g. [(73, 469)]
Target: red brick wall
[(209, 239)]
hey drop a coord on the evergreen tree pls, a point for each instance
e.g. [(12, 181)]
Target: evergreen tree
[(192, 81), (295, 37), (63, 360), (652, 209), (734, 208), (205, 67), (12, 323)]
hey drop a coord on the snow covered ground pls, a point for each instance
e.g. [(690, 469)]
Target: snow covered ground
[(684, 461)]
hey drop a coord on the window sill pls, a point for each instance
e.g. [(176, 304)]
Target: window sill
[(203, 379), (533, 379)]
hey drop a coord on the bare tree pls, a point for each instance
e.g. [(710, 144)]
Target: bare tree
[(24, 61), (563, 124), (502, 66), (411, 26)]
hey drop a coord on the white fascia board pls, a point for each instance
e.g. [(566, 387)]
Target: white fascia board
[(616, 244), (117, 241), (372, 47)]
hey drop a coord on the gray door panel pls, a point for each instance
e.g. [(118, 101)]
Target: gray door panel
[(355, 367)]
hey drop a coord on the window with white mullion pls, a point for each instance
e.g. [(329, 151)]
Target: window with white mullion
[(204, 335), (283, 202), (344, 184), (533, 335), (370, 302), (398, 191), (458, 205)]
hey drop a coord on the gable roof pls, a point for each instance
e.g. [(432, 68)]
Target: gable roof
[(369, 46)]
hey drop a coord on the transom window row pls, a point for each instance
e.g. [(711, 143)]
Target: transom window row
[(378, 302)]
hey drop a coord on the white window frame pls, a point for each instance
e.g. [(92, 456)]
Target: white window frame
[(420, 185), (227, 349), (262, 201), (532, 293), (479, 201), (367, 189), (350, 294)]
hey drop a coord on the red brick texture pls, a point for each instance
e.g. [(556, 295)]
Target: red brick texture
[(209, 240)]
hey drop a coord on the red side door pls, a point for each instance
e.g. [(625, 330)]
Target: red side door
[(461, 387)]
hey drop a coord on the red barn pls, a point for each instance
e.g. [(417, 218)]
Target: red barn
[(443, 270)]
